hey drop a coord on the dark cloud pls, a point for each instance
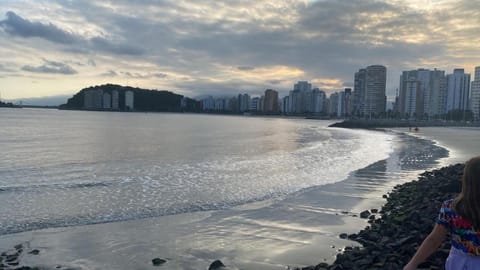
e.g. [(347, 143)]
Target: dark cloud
[(51, 67), (18, 26), (245, 68)]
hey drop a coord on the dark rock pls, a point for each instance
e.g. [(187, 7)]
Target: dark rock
[(365, 214), (308, 268), (374, 210), (19, 246), (34, 252), (158, 261), (11, 258), (24, 268), (216, 265), (343, 235)]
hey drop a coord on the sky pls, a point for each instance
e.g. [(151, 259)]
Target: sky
[(223, 48)]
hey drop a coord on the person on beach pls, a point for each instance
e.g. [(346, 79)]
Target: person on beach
[(461, 218)]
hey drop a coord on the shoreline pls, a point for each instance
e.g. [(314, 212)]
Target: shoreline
[(388, 242), (409, 215), (308, 200)]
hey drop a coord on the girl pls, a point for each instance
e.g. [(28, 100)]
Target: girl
[(461, 218)]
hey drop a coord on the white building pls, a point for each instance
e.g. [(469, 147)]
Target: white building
[(107, 101), (129, 101), (115, 100), (458, 90), (475, 95)]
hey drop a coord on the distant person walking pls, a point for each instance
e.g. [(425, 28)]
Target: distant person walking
[(461, 218)]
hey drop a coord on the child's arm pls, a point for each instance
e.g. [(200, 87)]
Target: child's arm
[(429, 245)]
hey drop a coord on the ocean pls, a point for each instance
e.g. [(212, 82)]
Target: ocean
[(105, 190)]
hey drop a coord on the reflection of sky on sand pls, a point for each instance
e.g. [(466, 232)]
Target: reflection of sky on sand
[(301, 229)]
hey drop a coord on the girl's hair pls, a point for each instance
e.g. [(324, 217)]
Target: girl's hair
[(467, 203)]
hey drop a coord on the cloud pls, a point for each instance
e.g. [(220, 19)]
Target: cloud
[(245, 68), (110, 73), (18, 26), (51, 67)]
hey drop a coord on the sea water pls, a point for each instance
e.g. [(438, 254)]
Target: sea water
[(66, 168)]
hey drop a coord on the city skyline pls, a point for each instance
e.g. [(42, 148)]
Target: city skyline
[(53, 48)]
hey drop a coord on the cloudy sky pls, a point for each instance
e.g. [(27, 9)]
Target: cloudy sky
[(223, 48)]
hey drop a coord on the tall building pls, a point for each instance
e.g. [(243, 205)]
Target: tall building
[(348, 102), (129, 100), (422, 93), (115, 100), (93, 99), (475, 95), (271, 101), (369, 90), (318, 101), (244, 102), (302, 86), (458, 90), (107, 101)]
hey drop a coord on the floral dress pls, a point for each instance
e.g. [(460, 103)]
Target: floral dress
[(464, 237)]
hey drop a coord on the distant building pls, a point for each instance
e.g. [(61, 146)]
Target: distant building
[(458, 90), (369, 90), (254, 104), (115, 100), (107, 101), (93, 99), (244, 102), (271, 101), (475, 95), (129, 101), (318, 101), (422, 93)]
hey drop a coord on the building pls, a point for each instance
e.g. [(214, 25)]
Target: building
[(115, 100), (129, 101), (475, 95), (369, 91), (458, 90), (255, 104), (318, 101), (302, 86), (244, 102), (93, 99), (271, 101), (422, 93), (107, 101)]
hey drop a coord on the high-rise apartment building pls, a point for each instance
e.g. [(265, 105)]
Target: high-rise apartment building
[(422, 93), (271, 101), (458, 90), (475, 95), (369, 90)]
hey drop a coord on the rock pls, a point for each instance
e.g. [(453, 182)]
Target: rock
[(11, 258), (374, 210), (34, 252), (216, 265), (19, 246), (158, 261), (343, 235), (365, 214)]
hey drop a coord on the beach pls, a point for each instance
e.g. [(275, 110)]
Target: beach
[(297, 230)]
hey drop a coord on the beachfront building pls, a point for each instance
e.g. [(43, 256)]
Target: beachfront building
[(318, 101), (244, 102), (271, 101), (475, 95), (369, 91), (458, 90), (422, 93), (93, 99), (129, 101)]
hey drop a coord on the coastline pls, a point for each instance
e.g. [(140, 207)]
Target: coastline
[(406, 219), (310, 219)]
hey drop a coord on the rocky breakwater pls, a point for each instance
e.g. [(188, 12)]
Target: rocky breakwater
[(406, 219)]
